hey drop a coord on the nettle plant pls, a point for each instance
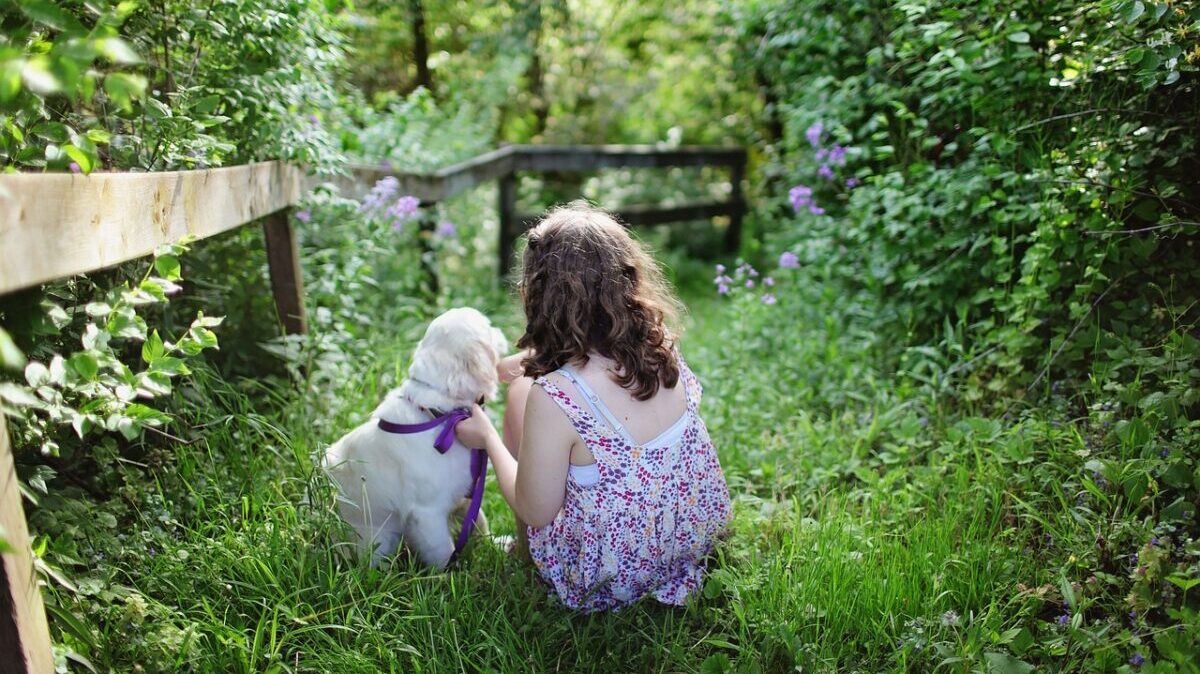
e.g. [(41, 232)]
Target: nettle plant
[(93, 390)]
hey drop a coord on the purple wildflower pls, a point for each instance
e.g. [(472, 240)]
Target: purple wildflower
[(822, 154), (1137, 660), (801, 197), (1064, 619), (303, 216), (404, 209), (722, 289), (816, 210), (74, 168), (384, 191), (837, 155), (1154, 541), (825, 172), (851, 183), (768, 299), (749, 283), (813, 134), (312, 119), (385, 164), (446, 229), (720, 269), (768, 281), (788, 260), (1165, 453)]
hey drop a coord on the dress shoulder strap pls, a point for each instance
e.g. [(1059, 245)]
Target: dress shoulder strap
[(692, 389), (593, 401), (579, 417)]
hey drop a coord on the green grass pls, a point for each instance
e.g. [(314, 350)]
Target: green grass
[(875, 529)]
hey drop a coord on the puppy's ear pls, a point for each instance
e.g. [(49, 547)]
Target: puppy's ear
[(474, 373)]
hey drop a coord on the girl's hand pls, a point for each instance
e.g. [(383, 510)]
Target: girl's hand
[(477, 431), (509, 367)]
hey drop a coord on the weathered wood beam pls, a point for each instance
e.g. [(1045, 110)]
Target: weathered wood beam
[(657, 215), (437, 186), (510, 226), (54, 225), (596, 157), (733, 235), (24, 634), (283, 262)]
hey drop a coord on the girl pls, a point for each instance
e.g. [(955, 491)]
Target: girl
[(617, 490)]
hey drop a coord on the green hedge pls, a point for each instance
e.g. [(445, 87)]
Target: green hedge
[(1028, 170)]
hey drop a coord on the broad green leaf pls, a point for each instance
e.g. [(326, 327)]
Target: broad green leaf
[(153, 348), (124, 88), (118, 51), (39, 78), (79, 157), (1020, 37), (1003, 663), (167, 266), (84, 364), (10, 356), (1136, 9)]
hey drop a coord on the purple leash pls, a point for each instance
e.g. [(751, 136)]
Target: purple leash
[(443, 442)]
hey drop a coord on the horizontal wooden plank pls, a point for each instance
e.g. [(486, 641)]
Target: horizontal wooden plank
[(658, 215), (458, 178), (57, 225), (60, 224), (432, 187), (577, 158)]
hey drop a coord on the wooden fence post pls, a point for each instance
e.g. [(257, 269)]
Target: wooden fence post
[(283, 260), (733, 235), (24, 633), (508, 222)]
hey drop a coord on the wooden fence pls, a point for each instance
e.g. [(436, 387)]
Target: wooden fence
[(58, 225)]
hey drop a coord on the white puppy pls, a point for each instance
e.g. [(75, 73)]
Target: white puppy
[(398, 487)]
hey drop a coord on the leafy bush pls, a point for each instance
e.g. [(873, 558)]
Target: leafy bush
[(1013, 162), (112, 85), (1013, 188)]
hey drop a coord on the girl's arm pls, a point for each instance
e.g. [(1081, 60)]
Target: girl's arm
[(535, 487), (509, 367)]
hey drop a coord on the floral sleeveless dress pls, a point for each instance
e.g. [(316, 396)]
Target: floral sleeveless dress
[(646, 524)]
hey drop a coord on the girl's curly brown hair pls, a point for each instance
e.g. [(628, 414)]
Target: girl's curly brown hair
[(588, 287)]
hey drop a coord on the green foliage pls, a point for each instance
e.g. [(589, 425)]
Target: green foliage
[(91, 389), (1016, 162), (118, 85)]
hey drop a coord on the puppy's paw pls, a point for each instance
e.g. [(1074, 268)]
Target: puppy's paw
[(504, 542)]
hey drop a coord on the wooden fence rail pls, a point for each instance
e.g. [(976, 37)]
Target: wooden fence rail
[(58, 225)]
